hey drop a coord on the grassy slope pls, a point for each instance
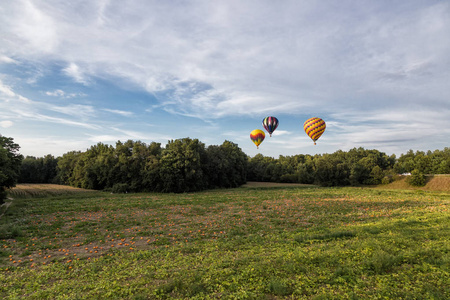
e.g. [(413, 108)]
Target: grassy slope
[(265, 242), (434, 183)]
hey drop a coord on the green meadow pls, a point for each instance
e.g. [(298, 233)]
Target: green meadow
[(253, 242)]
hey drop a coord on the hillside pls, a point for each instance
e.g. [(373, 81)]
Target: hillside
[(434, 183)]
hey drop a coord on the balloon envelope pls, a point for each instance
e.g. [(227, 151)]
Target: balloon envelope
[(270, 124), (257, 136), (314, 127)]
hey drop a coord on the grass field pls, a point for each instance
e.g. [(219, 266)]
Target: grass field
[(254, 242)]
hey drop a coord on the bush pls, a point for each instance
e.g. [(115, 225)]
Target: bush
[(120, 188), (387, 180), (416, 178), (289, 178)]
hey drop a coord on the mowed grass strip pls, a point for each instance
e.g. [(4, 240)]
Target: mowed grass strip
[(247, 243)]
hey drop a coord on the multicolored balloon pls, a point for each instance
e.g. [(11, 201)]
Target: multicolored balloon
[(257, 136), (270, 124), (314, 127)]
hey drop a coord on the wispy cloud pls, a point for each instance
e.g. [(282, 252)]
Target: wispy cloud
[(55, 93), (359, 64), (76, 110), (6, 59), (7, 94), (61, 94), (6, 91), (227, 62), (24, 108), (75, 72), (119, 112), (6, 124)]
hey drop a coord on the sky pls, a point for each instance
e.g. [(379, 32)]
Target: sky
[(76, 73)]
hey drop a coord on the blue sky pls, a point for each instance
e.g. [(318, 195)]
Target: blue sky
[(75, 73)]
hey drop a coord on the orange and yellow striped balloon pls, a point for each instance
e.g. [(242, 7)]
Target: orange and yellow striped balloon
[(314, 127), (257, 136)]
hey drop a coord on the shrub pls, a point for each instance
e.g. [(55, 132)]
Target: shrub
[(120, 188), (416, 178)]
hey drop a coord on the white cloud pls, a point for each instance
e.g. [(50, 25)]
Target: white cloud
[(33, 28), (50, 144), (6, 124), (57, 120), (75, 114), (62, 94), (55, 93), (356, 62), (7, 94), (281, 132), (74, 71), (6, 59), (6, 91), (238, 54), (119, 112), (78, 110)]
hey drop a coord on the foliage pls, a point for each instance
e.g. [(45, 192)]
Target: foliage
[(431, 162), (355, 167), (10, 162), (184, 165), (244, 243), (416, 178), (38, 170), (226, 165), (181, 166)]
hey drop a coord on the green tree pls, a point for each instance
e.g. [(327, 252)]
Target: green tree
[(417, 178), (66, 166), (10, 162), (333, 169), (261, 168), (181, 166), (405, 163), (151, 178), (306, 171), (133, 168), (30, 170), (38, 170), (226, 165)]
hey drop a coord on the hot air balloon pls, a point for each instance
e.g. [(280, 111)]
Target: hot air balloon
[(314, 127), (257, 136), (270, 124)]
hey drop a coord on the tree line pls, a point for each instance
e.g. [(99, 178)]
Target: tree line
[(183, 165), (187, 165), (357, 166)]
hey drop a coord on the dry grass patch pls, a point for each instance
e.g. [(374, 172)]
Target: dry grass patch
[(38, 189), (434, 183)]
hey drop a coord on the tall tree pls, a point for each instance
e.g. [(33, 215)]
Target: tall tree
[(181, 166), (10, 162), (226, 165), (66, 166)]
